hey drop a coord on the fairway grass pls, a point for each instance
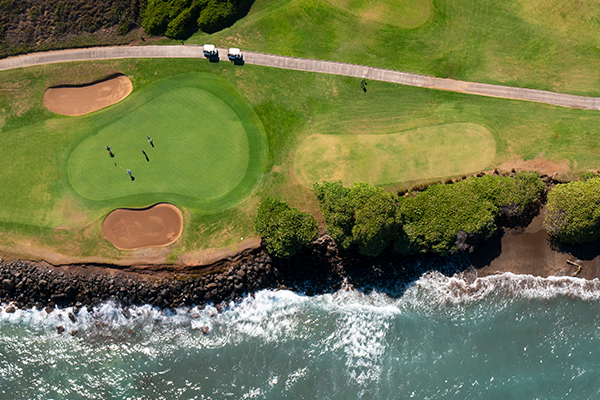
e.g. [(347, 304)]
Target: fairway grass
[(429, 152), (549, 45), (404, 14)]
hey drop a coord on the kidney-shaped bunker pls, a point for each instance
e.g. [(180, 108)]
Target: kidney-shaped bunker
[(130, 229), (84, 99)]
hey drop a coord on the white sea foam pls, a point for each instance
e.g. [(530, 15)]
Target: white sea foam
[(367, 338), (436, 288), (272, 315)]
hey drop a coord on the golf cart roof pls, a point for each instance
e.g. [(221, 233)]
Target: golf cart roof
[(234, 51), (209, 47)]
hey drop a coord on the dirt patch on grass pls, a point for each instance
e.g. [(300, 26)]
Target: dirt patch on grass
[(538, 164), (130, 229), (84, 99)]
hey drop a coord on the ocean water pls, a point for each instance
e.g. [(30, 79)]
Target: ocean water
[(500, 337)]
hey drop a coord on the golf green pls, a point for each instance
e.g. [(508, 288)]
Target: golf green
[(203, 148)]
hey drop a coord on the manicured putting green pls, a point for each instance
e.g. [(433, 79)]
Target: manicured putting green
[(202, 149), (423, 153), (401, 13)]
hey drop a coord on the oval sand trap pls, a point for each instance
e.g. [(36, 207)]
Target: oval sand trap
[(429, 152), (130, 229), (79, 100)]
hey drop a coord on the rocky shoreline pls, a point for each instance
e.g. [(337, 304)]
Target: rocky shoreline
[(321, 268)]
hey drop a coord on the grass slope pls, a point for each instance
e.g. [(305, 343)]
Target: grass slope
[(423, 153), (552, 45)]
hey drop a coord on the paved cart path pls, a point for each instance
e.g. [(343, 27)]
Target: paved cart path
[(303, 64)]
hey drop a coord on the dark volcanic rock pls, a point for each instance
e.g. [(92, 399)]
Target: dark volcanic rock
[(8, 285)]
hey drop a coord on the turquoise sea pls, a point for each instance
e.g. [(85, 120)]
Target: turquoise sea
[(500, 337)]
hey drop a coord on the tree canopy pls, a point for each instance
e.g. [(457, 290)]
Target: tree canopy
[(284, 229), (177, 18), (573, 213), (362, 215)]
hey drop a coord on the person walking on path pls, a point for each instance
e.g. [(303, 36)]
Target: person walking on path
[(150, 140)]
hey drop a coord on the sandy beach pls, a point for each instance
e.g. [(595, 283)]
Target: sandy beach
[(533, 252)]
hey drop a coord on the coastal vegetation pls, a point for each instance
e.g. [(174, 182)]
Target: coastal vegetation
[(284, 230), (37, 25), (573, 214), (441, 219), (432, 218), (362, 215)]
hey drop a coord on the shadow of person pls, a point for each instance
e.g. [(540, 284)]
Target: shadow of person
[(132, 178), (146, 155)]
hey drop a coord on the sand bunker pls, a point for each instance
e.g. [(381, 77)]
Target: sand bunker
[(78, 100), (130, 229)]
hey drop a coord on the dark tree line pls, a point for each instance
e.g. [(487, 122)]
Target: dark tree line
[(33, 25), (441, 219), (177, 18)]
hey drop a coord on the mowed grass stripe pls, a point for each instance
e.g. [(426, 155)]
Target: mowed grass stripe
[(405, 14), (423, 153), (201, 150)]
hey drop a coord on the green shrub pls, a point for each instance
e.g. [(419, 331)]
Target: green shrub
[(216, 15), (573, 213), (432, 218), (156, 16), (361, 215), (175, 18), (584, 176), (503, 191), (371, 218), (337, 208), (183, 22), (284, 229), (375, 224)]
